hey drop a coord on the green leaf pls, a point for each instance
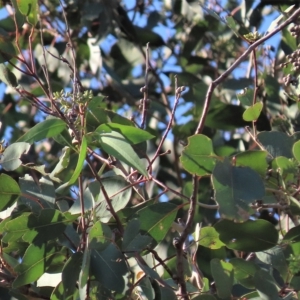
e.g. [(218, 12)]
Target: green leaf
[(9, 191), (113, 185), (296, 150), (7, 52), (85, 268), (7, 76), (70, 274), (46, 129), (64, 139), (132, 134), (133, 241), (246, 97), (276, 143), (250, 236), (244, 271), (266, 286), (156, 219), (100, 236), (49, 225), (254, 159), (293, 234), (79, 166), (29, 8), (33, 264), (109, 268), (115, 144), (37, 197), (10, 159), (222, 273), (235, 189), (62, 163), (198, 157), (209, 238), (253, 112)]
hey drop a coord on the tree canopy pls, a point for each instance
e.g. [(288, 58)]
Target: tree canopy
[(150, 150)]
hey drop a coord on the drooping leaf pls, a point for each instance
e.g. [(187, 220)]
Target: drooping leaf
[(252, 113), (156, 219), (235, 189), (198, 156), (251, 236), (70, 274), (62, 163), (133, 241), (109, 268), (222, 273), (115, 144), (133, 134), (9, 191), (10, 159), (46, 129)]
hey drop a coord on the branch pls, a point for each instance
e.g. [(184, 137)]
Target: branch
[(223, 76)]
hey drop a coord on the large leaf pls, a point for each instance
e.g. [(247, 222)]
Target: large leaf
[(198, 157), (134, 135), (49, 225), (276, 143), (9, 191), (33, 264), (113, 186), (116, 144), (37, 197), (46, 129), (250, 236), (133, 241), (222, 273), (70, 273), (109, 268), (156, 219), (10, 159), (235, 189)]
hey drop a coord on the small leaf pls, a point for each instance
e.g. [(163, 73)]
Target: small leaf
[(115, 144), (62, 163), (209, 238), (198, 157), (132, 134), (250, 236), (222, 273), (10, 159), (100, 236), (253, 112), (46, 129), (9, 191), (7, 52), (296, 150)]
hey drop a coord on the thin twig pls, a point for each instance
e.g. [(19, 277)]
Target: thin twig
[(224, 75)]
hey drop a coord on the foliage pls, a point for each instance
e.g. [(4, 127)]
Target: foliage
[(149, 151)]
